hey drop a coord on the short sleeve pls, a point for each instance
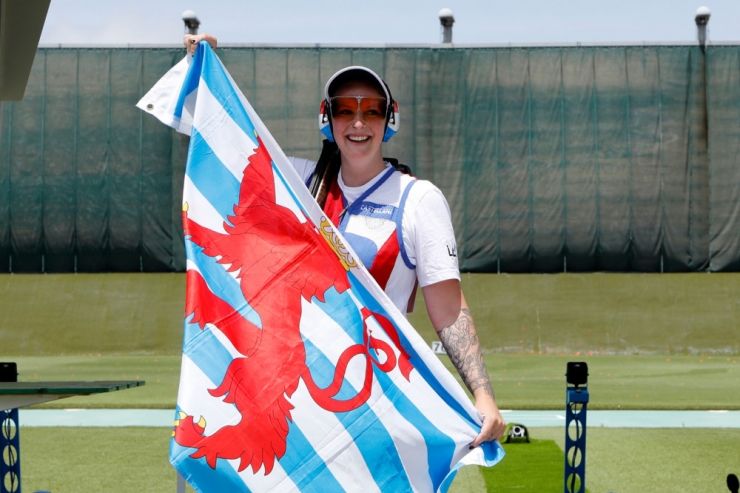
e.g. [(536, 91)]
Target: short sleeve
[(303, 167), (428, 236)]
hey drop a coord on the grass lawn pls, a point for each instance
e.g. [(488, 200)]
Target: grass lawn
[(94, 460), (91, 460), (521, 381), (620, 460), (54, 314), (656, 460), (82, 460), (608, 313), (651, 342), (617, 382)]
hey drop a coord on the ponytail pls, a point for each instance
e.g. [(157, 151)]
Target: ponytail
[(327, 169)]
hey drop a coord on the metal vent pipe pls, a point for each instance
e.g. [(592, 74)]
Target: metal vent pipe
[(702, 19), (446, 19), (191, 21)]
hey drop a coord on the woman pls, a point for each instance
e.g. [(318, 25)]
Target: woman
[(399, 226)]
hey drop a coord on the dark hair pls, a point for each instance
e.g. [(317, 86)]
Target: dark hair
[(326, 171)]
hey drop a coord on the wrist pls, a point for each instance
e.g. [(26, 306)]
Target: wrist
[(484, 393)]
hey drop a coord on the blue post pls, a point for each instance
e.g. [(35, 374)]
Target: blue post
[(10, 445), (575, 428)]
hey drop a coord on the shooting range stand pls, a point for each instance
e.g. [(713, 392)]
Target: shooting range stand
[(14, 395)]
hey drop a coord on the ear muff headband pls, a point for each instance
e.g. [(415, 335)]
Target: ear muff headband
[(392, 122), (325, 121)]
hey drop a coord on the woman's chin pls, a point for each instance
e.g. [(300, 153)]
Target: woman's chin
[(353, 149)]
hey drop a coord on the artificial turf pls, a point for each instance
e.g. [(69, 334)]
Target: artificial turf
[(516, 472), (535, 466)]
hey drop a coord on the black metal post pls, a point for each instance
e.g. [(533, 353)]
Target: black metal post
[(576, 403), (10, 443)]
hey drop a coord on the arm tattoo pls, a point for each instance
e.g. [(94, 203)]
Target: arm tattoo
[(461, 343)]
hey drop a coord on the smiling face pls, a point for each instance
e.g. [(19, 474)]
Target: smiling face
[(358, 126)]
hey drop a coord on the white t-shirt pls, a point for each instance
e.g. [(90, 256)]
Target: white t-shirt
[(428, 236)]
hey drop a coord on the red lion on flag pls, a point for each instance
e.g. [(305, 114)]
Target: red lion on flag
[(280, 260)]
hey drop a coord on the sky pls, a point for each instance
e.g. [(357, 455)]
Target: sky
[(387, 21)]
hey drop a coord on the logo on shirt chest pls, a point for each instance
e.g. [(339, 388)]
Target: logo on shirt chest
[(377, 210)]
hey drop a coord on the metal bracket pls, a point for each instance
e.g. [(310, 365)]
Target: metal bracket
[(575, 440), (10, 447)]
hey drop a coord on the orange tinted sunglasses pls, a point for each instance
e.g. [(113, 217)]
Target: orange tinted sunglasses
[(346, 107)]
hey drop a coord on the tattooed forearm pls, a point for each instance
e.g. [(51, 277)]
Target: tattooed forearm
[(461, 343)]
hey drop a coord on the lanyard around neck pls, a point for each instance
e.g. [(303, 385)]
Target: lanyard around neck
[(367, 192)]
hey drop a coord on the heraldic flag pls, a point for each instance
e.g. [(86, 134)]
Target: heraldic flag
[(298, 373)]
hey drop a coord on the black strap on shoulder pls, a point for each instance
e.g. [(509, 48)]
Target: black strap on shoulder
[(400, 167)]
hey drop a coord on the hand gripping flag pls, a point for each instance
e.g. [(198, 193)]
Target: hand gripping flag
[(298, 373)]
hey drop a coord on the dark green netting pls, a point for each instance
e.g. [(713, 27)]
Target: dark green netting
[(552, 159), (723, 102)]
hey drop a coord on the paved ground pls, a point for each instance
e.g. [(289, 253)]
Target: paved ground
[(531, 419), (632, 419)]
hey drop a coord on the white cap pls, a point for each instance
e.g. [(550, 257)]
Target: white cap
[(345, 73)]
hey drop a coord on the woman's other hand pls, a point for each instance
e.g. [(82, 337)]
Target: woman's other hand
[(494, 424), (451, 318), (191, 41)]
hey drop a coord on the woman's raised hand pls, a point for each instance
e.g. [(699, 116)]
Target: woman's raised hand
[(191, 41)]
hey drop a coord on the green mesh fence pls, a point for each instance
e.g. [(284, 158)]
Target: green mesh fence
[(552, 159)]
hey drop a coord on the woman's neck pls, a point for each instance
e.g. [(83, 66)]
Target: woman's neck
[(357, 173)]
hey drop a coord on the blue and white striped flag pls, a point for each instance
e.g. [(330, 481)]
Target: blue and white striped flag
[(298, 373)]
